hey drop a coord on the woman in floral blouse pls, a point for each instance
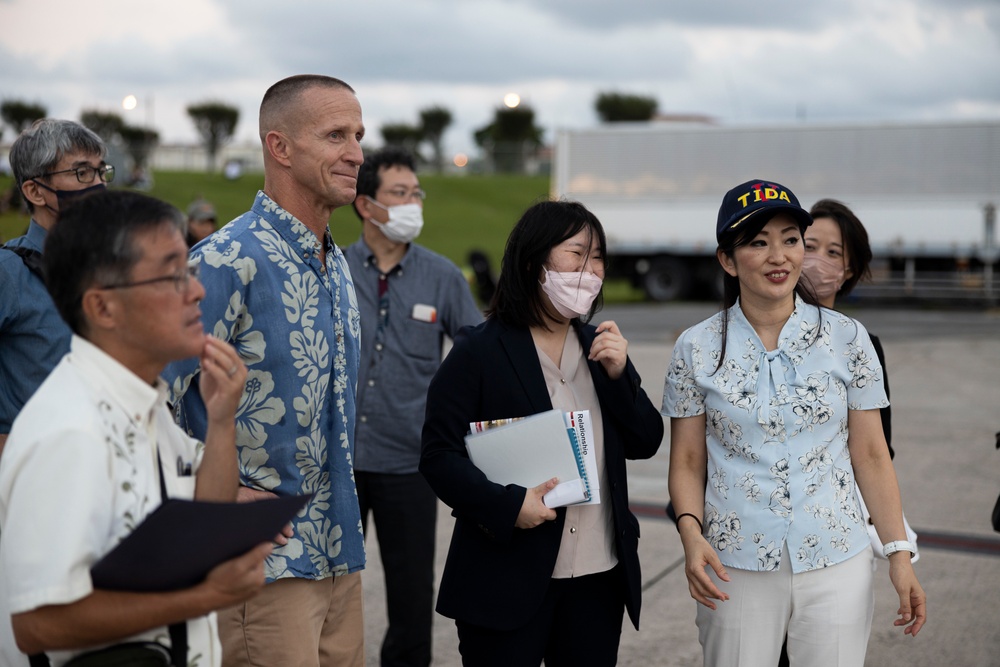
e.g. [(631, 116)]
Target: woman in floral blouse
[(774, 406)]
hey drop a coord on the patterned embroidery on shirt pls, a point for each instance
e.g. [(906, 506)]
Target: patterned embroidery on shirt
[(121, 437)]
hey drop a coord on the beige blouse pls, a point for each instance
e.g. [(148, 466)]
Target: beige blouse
[(587, 545)]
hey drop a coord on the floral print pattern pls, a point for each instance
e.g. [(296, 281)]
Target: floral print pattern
[(295, 321), (779, 470)]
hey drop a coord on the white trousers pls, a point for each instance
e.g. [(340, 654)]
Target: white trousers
[(826, 613)]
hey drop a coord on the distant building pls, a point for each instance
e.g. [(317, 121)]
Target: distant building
[(695, 118), (189, 157)]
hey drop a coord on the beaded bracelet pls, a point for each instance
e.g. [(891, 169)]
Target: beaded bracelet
[(701, 528)]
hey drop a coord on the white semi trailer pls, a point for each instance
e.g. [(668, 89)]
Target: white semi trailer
[(927, 194)]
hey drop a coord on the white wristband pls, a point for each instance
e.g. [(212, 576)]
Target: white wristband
[(898, 545)]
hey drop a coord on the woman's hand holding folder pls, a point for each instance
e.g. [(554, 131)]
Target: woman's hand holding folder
[(533, 511)]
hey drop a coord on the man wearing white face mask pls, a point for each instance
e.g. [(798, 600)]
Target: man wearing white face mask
[(410, 298)]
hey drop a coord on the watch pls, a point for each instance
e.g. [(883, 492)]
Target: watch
[(898, 545)]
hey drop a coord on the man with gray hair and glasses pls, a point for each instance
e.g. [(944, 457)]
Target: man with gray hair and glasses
[(53, 161)]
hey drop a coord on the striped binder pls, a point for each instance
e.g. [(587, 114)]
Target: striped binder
[(580, 429)]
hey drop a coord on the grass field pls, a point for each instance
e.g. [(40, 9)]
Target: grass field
[(461, 213)]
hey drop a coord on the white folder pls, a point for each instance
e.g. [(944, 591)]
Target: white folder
[(528, 452)]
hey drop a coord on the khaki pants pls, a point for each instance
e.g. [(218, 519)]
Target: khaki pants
[(297, 623)]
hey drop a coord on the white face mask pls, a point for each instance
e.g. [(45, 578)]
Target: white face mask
[(572, 293), (405, 221)]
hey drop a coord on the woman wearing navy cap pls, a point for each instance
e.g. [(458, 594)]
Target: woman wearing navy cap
[(774, 406)]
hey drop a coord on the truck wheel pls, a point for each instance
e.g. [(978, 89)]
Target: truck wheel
[(666, 280), (711, 275)]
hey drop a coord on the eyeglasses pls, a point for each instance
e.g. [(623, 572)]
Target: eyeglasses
[(85, 173), (181, 280), (407, 195)]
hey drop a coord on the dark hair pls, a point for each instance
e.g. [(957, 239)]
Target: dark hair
[(94, 244), (369, 175), (38, 149), (283, 94), (731, 284), (856, 246), (517, 300)]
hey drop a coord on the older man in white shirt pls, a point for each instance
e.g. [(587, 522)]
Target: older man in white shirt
[(95, 450)]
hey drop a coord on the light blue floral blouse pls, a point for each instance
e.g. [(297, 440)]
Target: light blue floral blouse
[(295, 322), (779, 470)]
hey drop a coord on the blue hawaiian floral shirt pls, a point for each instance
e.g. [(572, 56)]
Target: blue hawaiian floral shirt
[(779, 471), (296, 325)]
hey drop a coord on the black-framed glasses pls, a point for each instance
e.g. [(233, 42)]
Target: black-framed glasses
[(85, 173), (181, 280)]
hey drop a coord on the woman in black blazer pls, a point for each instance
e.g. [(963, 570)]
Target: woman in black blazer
[(525, 582)]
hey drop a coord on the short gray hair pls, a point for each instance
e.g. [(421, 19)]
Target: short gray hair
[(39, 149)]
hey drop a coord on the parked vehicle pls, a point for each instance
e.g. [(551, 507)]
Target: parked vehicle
[(927, 194)]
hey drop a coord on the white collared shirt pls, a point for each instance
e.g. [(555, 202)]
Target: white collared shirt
[(77, 475)]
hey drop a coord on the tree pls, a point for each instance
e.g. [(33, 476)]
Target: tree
[(433, 123), (403, 135), (139, 142), (616, 107), (106, 124), (20, 115), (215, 122), (510, 138)]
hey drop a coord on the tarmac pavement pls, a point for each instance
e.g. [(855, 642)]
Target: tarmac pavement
[(944, 372)]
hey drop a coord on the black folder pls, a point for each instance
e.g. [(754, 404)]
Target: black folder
[(182, 540)]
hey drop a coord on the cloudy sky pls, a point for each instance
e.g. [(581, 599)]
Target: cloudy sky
[(831, 61)]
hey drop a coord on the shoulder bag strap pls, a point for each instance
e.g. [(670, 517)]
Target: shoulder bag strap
[(31, 258), (178, 631)]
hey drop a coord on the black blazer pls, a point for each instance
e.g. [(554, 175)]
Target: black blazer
[(496, 575)]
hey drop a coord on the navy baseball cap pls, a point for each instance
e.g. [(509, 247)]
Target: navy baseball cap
[(755, 202)]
